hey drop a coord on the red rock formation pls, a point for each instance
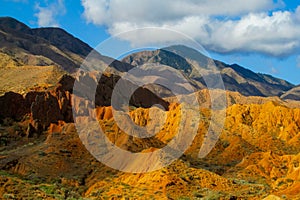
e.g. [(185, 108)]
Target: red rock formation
[(104, 113), (45, 110), (12, 106)]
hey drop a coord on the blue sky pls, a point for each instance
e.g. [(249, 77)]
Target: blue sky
[(262, 35)]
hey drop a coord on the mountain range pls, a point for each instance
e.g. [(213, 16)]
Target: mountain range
[(21, 45), (235, 77)]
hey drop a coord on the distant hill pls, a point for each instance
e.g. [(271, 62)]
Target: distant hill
[(235, 77), (293, 94)]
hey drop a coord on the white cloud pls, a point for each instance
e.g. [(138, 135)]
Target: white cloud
[(47, 15), (297, 14), (140, 11), (220, 26)]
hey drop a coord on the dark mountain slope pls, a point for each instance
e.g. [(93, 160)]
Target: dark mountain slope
[(43, 47), (60, 38)]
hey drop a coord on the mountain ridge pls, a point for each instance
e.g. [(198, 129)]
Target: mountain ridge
[(251, 84), (45, 46), (54, 46)]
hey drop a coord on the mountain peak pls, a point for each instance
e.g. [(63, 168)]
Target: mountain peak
[(41, 46), (189, 53), (64, 40), (181, 48), (10, 24)]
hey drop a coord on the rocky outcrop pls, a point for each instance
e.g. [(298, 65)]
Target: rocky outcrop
[(104, 113), (64, 102), (45, 110), (66, 83), (13, 105), (141, 97), (52, 106), (43, 107)]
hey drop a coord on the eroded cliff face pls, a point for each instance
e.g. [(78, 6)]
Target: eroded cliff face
[(253, 146), (52, 106), (256, 154), (43, 108)]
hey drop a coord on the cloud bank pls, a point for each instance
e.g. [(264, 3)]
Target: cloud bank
[(260, 26), (46, 15)]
